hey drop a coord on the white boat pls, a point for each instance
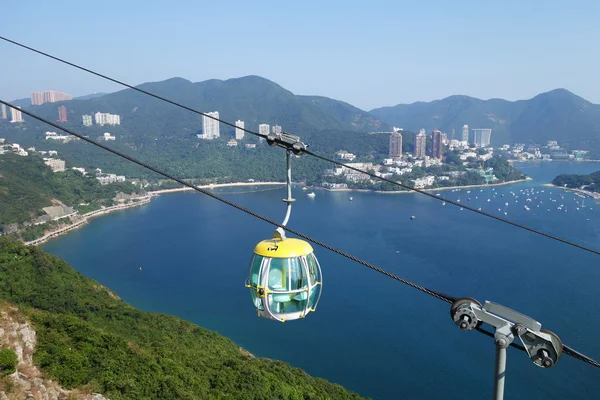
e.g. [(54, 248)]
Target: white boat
[(311, 194), (350, 198), (526, 208)]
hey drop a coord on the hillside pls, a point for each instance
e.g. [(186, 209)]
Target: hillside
[(86, 336), (252, 99), (27, 185), (556, 115), (165, 135)]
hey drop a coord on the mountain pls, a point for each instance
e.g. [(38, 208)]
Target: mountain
[(86, 337), (556, 115), (90, 96), (26, 102), (252, 99)]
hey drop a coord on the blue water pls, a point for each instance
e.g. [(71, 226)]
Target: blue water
[(370, 333)]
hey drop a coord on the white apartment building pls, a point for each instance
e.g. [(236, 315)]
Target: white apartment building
[(55, 164), (210, 126), (107, 119), (110, 178), (276, 129), (87, 120), (263, 129), (16, 115), (107, 136), (232, 143), (239, 130), (4, 112)]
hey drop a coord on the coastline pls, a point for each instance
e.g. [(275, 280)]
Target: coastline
[(425, 190), (211, 186), (545, 161), (84, 219), (593, 195)]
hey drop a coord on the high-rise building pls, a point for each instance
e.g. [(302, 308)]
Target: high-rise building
[(210, 126), (482, 137), (4, 112), (436, 140), (396, 145), (263, 129), (51, 96), (465, 133), (239, 130), (37, 98), (107, 119), (420, 142), (87, 120), (16, 114), (62, 114), (276, 129)]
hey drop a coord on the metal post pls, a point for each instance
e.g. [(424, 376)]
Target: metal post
[(289, 199), (500, 372)]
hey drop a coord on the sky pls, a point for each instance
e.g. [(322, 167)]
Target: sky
[(369, 54)]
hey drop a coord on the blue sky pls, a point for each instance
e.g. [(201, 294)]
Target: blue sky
[(369, 54)]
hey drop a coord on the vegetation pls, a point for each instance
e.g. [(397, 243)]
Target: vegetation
[(589, 182), (8, 362), (27, 185), (556, 115), (87, 336)]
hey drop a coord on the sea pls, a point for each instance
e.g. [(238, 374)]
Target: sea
[(187, 255)]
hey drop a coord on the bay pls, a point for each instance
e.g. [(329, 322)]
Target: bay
[(370, 333)]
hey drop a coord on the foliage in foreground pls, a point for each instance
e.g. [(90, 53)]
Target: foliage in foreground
[(8, 362), (86, 336)]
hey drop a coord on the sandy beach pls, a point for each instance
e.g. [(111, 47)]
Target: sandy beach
[(213, 186)]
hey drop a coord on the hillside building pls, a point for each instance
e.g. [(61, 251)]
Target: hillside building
[(465, 133), (107, 119), (210, 126), (87, 120), (420, 143), (395, 150), (436, 141), (62, 114), (55, 164), (482, 137), (239, 130), (16, 114), (276, 130), (50, 96)]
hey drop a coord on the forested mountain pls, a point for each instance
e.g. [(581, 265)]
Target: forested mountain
[(165, 135), (556, 115), (252, 99), (88, 338)]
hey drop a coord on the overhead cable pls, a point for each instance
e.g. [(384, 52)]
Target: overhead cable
[(440, 296), (323, 158)]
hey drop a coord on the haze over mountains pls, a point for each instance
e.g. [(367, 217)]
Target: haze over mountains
[(555, 115)]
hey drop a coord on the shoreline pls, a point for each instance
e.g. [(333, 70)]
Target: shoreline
[(213, 185), (85, 218), (544, 161), (593, 195), (425, 190)]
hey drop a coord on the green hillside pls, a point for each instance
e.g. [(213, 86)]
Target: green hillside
[(27, 185), (165, 135), (589, 182), (252, 99), (556, 115), (87, 336)]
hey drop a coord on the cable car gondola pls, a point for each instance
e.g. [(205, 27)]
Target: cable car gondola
[(285, 276)]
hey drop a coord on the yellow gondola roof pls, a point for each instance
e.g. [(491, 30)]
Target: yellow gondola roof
[(287, 248)]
